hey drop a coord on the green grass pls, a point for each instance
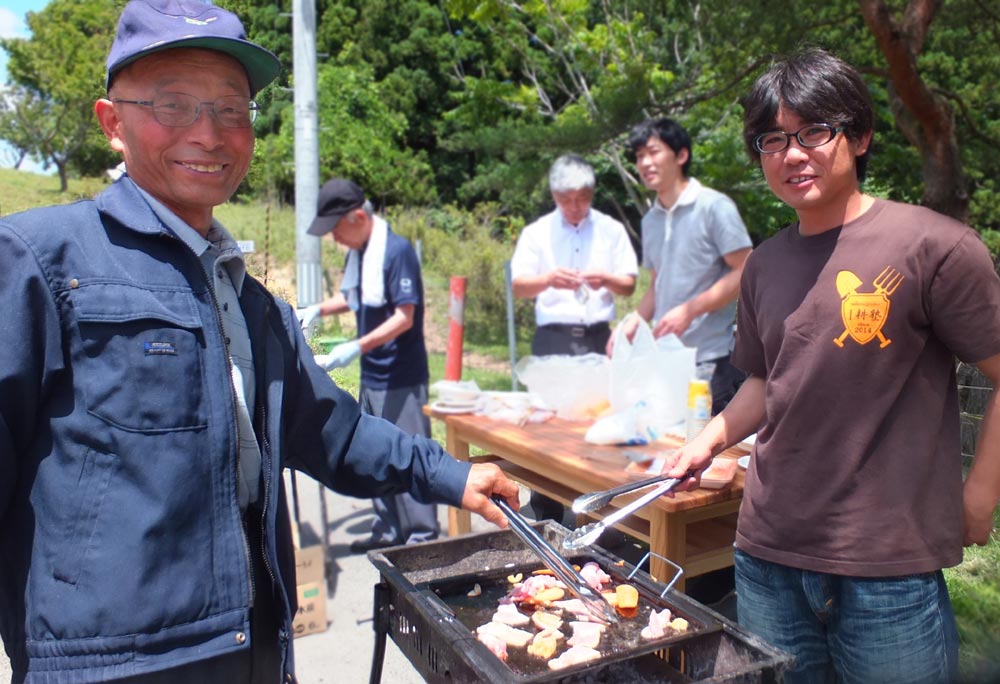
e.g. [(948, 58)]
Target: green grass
[(974, 587), (20, 190)]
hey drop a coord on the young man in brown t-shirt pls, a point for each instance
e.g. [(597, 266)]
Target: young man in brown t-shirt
[(849, 323)]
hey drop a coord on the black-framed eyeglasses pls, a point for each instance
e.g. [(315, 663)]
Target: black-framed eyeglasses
[(178, 110), (810, 135)]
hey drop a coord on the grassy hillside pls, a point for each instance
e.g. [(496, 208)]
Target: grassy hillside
[(20, 190)]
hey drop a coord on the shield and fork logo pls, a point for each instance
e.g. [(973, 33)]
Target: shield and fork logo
[(864, 313)]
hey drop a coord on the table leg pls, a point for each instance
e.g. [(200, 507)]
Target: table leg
[(459, 521), (667, 537)]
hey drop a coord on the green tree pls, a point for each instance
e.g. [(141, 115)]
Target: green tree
[(925, 117), (591, 69), (57, 76), (418, 56), (360, 138)]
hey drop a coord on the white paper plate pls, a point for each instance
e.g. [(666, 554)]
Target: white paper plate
[(743, 461), (441, 407)]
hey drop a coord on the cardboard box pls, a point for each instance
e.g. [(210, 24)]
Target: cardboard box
[(310, 579), (309, 564), (311, 616)]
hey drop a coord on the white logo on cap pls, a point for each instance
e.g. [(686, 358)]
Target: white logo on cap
[(199, 22)]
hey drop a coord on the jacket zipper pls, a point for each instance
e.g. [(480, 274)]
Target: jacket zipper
[(248, 564), (266, 468)]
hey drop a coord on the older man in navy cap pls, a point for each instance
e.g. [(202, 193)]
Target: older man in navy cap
[(382, 285), (151, 393)]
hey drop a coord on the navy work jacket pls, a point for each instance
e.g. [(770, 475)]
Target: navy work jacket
[(123, 550)]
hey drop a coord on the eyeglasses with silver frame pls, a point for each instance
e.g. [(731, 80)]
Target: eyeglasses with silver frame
[(179, 110), (810, 135)]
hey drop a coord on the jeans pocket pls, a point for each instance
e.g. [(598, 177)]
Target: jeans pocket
[(894, 629)]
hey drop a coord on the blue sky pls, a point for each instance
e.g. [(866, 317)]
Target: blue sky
[(12, 25)]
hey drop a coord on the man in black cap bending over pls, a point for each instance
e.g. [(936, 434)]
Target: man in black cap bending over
[(383, 287), (151, 393)]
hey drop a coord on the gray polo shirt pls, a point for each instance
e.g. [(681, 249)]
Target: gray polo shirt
[(685, 245)]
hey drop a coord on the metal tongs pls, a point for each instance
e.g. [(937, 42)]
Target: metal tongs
[(588, 534), (586, 503), (553, 560)]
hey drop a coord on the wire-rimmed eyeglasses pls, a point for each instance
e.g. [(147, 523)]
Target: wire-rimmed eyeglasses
[(810, 135), (178, 110)]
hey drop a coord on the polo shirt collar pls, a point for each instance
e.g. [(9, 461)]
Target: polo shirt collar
[(688, 196)]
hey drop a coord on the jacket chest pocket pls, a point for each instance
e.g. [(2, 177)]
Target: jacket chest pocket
[(140, 357)]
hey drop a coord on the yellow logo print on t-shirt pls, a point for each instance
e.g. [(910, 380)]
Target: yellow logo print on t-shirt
[(864, 313)]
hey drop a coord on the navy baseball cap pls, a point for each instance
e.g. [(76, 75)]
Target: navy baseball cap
[(336, 198), (148, 26)]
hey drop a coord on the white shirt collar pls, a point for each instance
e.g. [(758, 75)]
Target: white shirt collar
[(587, 221)]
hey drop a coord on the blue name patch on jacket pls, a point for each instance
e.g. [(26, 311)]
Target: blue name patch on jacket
[(159, 348)]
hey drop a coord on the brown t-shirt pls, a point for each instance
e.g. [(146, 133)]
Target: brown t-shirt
[(857, 469)]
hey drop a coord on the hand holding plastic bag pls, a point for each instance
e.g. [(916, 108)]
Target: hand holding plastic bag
[(652, 371)]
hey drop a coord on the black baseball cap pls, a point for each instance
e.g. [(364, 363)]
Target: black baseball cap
[(148, 26), (336, 198)]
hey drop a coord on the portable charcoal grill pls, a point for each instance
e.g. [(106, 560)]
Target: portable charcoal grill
[(422, 603)]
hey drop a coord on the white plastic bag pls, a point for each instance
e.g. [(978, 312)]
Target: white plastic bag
[(575, 387), (650, 370), (634, 425)]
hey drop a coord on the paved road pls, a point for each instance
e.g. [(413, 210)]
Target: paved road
[(342, 654)]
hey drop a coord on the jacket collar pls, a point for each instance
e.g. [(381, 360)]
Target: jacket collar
[(125, 204)]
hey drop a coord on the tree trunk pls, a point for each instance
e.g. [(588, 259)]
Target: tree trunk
[(63, 180), (924, 117)]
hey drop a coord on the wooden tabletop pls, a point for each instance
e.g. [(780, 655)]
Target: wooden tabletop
[(556, 449)]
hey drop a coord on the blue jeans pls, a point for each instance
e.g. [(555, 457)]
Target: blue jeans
[(850, 630)]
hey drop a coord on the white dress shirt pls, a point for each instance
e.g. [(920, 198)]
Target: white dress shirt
[(598, 243)]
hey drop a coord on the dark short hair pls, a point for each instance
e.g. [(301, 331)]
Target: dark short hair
[(669, 131), (818, 88)]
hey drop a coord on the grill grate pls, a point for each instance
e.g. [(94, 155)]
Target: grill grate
[(421, 580)]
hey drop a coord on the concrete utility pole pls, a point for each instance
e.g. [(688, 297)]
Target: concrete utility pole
[(307, 247)]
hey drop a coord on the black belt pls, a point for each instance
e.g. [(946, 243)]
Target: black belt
[(577, 330)]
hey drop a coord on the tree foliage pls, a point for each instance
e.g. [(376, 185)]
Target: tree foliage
[(360, 138), (57, 75), (692, 60)]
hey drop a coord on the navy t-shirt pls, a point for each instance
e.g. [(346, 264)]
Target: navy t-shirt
[(401, 362)]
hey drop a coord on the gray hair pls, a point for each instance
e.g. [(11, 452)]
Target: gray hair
[(571, 172), (368, 208)]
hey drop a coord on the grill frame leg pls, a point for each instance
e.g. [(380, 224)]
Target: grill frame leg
[(380, 623)]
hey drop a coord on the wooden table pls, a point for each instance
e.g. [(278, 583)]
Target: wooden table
[(694, 529)]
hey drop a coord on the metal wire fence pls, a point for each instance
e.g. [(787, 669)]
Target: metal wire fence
[(973, 393)]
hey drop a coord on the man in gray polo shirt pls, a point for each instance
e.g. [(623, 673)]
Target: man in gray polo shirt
[(694, 243)]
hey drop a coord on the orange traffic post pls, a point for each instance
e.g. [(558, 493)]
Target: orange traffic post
[(456, 329)]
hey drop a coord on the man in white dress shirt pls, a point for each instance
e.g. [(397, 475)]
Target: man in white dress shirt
[(573, 261)]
